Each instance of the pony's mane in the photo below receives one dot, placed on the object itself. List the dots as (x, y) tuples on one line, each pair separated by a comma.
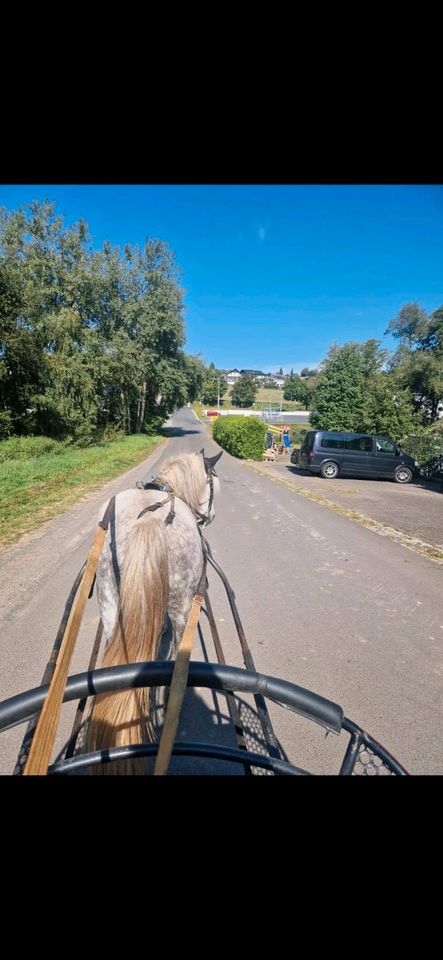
[(187, 477)]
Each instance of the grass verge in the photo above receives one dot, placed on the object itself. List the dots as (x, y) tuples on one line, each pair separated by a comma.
[(35, 489)]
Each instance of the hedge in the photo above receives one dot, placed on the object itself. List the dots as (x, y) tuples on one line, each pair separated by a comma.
[(428, 450), (243, 437), (25, 448)]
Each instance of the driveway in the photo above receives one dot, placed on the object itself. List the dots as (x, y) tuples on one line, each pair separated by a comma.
[(415, 510)]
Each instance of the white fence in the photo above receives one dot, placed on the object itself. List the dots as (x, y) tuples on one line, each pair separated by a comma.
[(293, 416)]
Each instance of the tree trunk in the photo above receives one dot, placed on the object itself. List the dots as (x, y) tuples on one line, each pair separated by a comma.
[(142, 413), (124, 410)]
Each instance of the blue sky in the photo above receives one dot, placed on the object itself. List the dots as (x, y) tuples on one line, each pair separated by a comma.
[(274, 274)]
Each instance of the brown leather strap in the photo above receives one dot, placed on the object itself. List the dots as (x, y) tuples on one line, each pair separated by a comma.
[(178, 687), (44, 736)]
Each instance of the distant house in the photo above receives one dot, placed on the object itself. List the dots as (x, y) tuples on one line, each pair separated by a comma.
[(233, 376), (252, 373), (258, 375)]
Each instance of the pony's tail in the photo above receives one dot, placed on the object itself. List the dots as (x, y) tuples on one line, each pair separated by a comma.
[(124, 718)]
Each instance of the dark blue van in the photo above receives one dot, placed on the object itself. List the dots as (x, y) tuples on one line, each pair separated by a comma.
[(330, 453)]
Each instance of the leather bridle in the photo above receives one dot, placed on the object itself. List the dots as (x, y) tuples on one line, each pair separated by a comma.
[(167, 488)]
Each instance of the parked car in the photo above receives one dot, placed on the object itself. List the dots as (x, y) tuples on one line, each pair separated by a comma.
[(330, 453)]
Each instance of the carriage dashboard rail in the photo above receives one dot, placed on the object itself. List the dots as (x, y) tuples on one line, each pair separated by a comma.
[(362, 751)]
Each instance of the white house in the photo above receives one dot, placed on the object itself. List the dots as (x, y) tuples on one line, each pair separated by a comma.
[(233, 376)]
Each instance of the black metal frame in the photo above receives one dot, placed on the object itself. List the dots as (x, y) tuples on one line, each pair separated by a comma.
[(219, 677), (362, 750)]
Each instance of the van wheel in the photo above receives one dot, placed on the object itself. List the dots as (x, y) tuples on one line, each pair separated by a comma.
[(403, 475), (329, 471)]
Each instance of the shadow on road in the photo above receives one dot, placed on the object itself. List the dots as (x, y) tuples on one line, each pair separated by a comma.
[(178, 432)]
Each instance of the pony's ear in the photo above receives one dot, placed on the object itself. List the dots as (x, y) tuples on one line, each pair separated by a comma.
[(200, 453), (211, 461)]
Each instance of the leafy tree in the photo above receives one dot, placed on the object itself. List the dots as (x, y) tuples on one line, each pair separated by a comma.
[(339, 395), (419, 360), (296, 389), (292, 387), (388, 408), (87, 338), (214, 385), (195, 373), (244, 392), (305, 395)]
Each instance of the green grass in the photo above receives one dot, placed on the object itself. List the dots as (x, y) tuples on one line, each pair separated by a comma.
[(35, 489), (263, 398)]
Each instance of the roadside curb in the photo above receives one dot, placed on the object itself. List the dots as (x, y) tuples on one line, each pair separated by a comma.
[(427, 550)]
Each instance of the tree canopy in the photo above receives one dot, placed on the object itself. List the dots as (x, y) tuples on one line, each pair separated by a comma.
[(244, 392), (88, 338)]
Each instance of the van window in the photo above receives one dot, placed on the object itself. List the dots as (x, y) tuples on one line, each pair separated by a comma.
[(383, 445), (332, 440), (360, 443), (308, 442)]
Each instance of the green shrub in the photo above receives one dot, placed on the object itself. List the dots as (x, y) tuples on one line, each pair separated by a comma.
[(6, 424), (297, 435), (243, 437), (153, 426), (25, 448), (427, 449)]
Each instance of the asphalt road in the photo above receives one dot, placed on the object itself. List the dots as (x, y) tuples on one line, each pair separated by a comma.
[(325, 603)]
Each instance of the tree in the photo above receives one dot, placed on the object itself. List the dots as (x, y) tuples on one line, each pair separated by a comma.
[(87, 338), (387, 408), (244, 392), (292, 387), (296, 389), (419, 359), (339, 395), (195, 373), (214, 385), (305, 395)]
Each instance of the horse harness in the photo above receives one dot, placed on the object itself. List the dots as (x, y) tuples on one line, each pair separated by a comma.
[(181, 666), (39, 755), (167, 488)]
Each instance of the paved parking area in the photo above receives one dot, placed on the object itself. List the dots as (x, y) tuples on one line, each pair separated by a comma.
[(415, 509)]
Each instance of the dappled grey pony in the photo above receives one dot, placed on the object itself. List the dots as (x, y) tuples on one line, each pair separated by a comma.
[(151, 566)]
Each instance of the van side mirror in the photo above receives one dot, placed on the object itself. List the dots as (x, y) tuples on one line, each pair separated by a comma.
[(398, 450)]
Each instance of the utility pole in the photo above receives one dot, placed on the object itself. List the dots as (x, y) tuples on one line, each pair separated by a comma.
[(218, 393)]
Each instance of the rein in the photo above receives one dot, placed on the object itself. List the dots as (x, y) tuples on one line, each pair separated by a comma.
[(167, 488), (181, 667), (180, 675)]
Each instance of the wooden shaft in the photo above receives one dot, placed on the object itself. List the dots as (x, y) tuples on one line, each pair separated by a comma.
[(43, 740), (178, 687)]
